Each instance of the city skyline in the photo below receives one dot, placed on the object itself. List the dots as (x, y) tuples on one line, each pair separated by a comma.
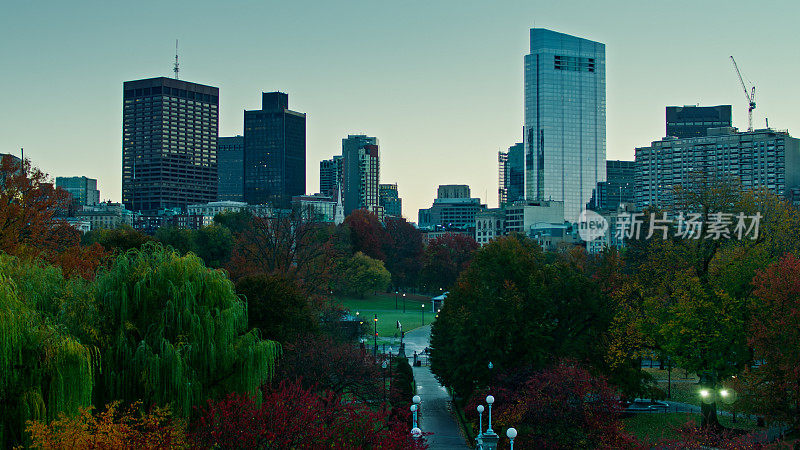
[(418, 98)]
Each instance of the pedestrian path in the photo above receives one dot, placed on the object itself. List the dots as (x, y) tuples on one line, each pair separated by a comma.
[(436, 415)]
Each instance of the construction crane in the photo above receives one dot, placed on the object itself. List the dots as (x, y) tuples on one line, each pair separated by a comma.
[(751, 97)]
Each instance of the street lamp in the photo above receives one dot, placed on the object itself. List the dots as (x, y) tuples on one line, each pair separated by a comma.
[(489, 401), (423, 314), (415, 408), (404, 302), (384, 366), (511, 433), (480, 420), (375, 347), (395, 300)]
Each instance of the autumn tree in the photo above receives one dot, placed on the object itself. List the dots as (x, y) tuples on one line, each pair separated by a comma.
[(774, 385), (403, 250), (291, 416), (30, 206), (289, 245), (173, 332), (445, 257), (560, 406), (367, 234)]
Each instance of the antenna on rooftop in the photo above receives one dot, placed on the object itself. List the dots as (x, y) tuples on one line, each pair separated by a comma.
[(176, 68)]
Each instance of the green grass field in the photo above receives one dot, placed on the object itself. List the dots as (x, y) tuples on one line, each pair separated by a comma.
[(384, 306), (652, 427)]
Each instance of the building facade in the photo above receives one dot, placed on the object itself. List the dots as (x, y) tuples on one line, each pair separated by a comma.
[(106, 216), (758, 159), (274, 152), (453, 209), (565, 119), (390, 200), (360, 173), (618, 187), (230, 169), (169, 144), (330, 175), (83, 190), (693, 121), (511, 174)]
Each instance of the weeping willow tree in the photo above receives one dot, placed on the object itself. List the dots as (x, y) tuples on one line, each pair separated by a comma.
[(44, 370), (175, 333)]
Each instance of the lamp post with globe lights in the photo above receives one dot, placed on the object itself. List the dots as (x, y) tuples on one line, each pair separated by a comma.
[(511, 433)]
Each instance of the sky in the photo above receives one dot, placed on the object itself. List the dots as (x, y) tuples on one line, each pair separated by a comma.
[(439, 82)]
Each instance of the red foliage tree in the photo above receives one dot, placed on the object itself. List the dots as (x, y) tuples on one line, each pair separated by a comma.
[(291, 416), (445, 258), (403, 250), (324, 363), (367, 234), (560, 407), (774, 335), (30, 226)]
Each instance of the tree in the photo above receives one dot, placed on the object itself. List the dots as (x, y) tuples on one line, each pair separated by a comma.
[(291, 416), (515, 310), (236, 221), (403, 250), (44, 369), (444, 259), (288, 245), (367, 233), (322, 363), (111, 428), (173, 332), (29, 209), (774, 385), (360, 274), (181, 239), (213, 243), (277, 307), (562, 406), (119, 239)]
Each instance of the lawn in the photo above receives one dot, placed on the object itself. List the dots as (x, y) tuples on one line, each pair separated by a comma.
[(652, 427), (384, 306)]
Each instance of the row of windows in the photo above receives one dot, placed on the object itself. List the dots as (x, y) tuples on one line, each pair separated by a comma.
[(180, 93)]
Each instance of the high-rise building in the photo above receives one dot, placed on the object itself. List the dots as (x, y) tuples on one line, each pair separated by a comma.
[(330, 175), (693, 121), (453, 209), (230, 169), (274, 152), (390, 200), (565, 119), (169, 143), (360, 172), (757, 159), (618, 187), (83, 190), (511, 176)]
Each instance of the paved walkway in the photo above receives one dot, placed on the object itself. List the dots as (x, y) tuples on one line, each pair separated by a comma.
[(436, 416)]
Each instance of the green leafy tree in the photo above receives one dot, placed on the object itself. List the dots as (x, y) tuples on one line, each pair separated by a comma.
[(444, 259), (516, 310), (236, 221), (44, 369), (360, 274), (181, 239), (175, 333), (120, 239), (213, 243)]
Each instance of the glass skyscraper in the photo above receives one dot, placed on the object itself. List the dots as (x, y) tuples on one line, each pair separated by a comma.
[(230, 168), (565, 119)]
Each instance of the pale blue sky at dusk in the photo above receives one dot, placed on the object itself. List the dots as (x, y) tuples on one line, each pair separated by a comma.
[(440, 83)]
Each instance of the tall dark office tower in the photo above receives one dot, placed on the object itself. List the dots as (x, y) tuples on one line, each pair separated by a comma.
[(274, 152), (230, 168), (330, 175), (565, 119), (511, 174), (390, 200), (169, 142), (360, 172), (694, 121)]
